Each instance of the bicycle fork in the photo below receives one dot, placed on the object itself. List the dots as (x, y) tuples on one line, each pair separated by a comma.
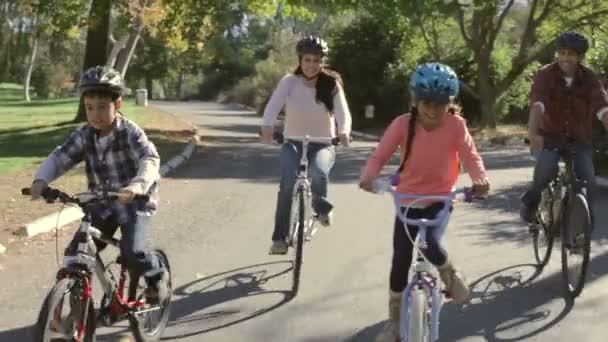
[(427, 284)]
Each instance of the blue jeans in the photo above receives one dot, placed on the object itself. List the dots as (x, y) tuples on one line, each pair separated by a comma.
[(547, 167), (321, 158), (134, 251)]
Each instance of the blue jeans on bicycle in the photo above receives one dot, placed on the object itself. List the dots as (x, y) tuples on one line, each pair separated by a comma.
[(321, 158), (134, 251), (546, 170)]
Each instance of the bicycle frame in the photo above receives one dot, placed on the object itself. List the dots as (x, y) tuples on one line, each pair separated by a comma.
[(424, 276)]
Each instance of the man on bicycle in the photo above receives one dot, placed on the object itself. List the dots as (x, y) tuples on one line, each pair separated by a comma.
[(564, 99)]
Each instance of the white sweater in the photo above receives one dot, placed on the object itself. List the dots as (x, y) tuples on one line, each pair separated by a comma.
[(304, 116)]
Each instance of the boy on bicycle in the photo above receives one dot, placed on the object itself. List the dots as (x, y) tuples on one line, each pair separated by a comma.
[(564, 98), (118, 157)]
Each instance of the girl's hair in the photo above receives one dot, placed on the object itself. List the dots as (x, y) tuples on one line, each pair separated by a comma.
[(325, 87), (453, 109)]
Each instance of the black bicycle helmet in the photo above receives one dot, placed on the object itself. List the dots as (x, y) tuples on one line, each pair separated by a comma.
[(101, 78), (573, 41), (312, 45)]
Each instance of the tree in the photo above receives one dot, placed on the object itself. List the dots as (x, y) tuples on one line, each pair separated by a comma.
[(98, 36)]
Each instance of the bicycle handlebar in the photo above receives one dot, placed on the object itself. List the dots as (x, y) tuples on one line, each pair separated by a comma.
[(52, 195)]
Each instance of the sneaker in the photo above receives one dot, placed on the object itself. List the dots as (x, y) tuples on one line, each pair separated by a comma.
[(326, 219), (278, 248), (158, 290), (455, 284), (527, 213)]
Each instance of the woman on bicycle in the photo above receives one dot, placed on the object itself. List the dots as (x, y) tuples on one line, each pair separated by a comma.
[(432, 137), (314, 102)]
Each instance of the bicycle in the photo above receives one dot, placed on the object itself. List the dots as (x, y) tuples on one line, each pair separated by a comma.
[(303, 220), (564, 213), (422, 298), (73, 288)]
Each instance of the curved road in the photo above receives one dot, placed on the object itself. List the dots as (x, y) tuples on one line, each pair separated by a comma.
[(215, 222)]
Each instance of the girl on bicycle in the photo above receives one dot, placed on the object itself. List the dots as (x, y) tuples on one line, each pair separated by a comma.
[(314, 105), (433, 138)]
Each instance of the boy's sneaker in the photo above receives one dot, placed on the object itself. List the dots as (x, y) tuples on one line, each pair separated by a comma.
[(278, 248), (158, 290), (326, 219)]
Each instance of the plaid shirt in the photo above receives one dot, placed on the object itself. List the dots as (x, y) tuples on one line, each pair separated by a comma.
[(128, 159)]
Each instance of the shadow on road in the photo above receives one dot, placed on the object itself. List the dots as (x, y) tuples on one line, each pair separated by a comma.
[(193, 312)]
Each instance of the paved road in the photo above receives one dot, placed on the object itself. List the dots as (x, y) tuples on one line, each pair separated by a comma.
[(215, 222)]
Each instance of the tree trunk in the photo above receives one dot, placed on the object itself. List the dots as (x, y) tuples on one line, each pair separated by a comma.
[(98, 36), (122, 61), (149, 86), (30, 68), (180, 83), (116, 48)]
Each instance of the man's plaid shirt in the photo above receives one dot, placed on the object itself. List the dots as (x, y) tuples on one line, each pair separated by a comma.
[(127, 158)]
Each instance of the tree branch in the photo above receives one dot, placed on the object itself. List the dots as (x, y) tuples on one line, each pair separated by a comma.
[(463, 30), (424, 34), (501, 19)]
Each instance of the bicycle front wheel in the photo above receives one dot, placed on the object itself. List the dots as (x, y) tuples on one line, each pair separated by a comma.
[(298, 232), (62, 316), (418, 323), (576, 245), (149, 324), (542, 236)]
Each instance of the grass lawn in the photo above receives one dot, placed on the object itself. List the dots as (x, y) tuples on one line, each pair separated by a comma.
[(30, 131)]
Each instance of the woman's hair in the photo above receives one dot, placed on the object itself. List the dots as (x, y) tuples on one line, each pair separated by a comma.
[(325, 87), (453, 109)]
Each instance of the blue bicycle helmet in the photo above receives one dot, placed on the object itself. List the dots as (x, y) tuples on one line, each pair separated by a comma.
[(434, 82), (573, 41)]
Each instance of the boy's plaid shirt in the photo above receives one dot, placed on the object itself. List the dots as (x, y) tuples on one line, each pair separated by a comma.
[(117, 166)]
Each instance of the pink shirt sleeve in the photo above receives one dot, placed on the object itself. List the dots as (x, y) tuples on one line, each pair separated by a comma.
[(392, 138), (467, 151)]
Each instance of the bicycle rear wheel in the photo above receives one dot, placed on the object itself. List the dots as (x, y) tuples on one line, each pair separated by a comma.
[(148, 324), (418, 322), (576, 245), (62, 314), (541, 232), (298, 237)]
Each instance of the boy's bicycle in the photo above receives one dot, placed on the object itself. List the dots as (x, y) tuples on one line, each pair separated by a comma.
[(303, 220), (68, 312), (422, 299), (564, 213)]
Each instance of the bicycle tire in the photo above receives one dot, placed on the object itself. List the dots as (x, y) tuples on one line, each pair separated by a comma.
[(136, 328), (543, 233), (417, 323), (54, 297), (299, 247), (578, 211)]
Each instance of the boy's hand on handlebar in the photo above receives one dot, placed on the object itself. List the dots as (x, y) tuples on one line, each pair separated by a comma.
[(38, 186), (126, 195)]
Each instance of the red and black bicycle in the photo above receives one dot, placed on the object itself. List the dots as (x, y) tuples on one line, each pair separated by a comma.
[(68, 312)]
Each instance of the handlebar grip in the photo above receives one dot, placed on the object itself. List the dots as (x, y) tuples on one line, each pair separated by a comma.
[(526, 141), (26, 192)]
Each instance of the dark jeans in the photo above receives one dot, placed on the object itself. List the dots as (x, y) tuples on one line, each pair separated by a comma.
[(321, 158), (134, 250), (403, 248), (547, 167)]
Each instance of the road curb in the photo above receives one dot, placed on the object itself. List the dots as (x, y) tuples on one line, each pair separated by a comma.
[(62, 218)]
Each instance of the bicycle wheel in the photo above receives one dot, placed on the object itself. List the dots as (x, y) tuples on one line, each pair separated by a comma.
[(541, 234), (62, 314), (576, 245), (149, 324), (418, 323), (298, 225)]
